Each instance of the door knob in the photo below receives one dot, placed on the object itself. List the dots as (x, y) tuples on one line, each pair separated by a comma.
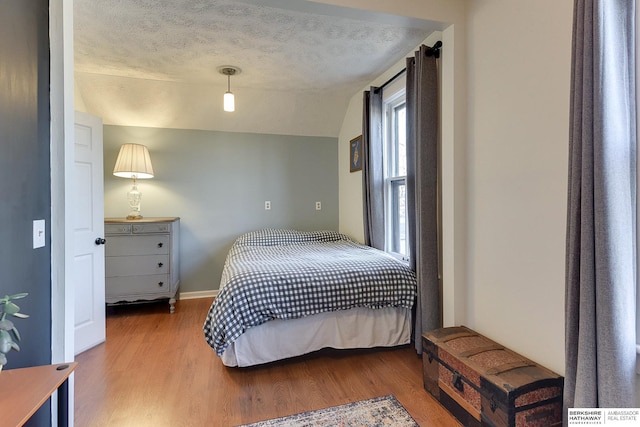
[(100, 241)]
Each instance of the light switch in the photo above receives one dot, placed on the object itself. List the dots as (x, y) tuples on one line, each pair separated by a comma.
[(38, 233)]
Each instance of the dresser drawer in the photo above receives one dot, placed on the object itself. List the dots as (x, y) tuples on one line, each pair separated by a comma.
[(152, 285), (137, 245), (117, 229), (161, 227), (136, 265)]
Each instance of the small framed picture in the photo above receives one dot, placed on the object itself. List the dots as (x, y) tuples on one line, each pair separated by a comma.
[(355, 154)]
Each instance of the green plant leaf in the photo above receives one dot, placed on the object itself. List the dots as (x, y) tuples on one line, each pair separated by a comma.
[(11, 308), (16, 333), (9, 335), (6, 325), (5, 342)]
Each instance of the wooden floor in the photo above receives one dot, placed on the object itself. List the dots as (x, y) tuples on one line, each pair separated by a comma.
[(156, 369)]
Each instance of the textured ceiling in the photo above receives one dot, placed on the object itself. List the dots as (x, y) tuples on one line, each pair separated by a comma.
[(292, 46)]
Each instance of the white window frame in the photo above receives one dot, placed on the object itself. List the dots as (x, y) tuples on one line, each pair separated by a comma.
[(394, 95)]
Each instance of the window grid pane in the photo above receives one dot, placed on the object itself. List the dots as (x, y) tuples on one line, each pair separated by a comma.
[(401, 138), (399, 242), (396, 170)]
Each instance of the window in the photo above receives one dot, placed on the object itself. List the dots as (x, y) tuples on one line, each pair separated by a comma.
[(395, 173)]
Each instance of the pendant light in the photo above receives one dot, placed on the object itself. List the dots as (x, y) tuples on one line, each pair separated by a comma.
[(229, 99)]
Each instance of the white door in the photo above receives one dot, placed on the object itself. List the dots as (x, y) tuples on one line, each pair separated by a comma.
[(88, 233)]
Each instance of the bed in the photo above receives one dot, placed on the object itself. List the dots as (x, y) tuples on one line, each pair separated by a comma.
[(285, 293)]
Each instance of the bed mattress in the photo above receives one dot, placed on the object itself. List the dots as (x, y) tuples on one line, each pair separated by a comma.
[(346, 329), (291, 275)]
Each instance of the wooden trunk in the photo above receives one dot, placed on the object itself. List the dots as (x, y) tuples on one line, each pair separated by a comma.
[(483, 383)]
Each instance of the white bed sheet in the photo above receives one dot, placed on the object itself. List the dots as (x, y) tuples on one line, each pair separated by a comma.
[(355, 328)]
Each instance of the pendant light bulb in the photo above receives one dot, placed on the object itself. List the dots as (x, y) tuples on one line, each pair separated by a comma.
[(229, 98), (229, 102)]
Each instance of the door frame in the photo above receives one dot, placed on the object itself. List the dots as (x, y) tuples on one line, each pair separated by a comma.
[(62, 134)]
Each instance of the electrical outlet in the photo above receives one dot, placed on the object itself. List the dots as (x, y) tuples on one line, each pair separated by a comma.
[(318, 206), (267, 205)]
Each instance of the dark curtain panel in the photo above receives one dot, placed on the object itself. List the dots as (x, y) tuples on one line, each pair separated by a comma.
[(601, 252), (422, 184), (372, 169)]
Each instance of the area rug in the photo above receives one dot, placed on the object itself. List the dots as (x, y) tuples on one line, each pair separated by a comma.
[(379, 411)]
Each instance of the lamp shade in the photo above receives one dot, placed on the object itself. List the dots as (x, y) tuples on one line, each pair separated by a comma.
[(133, 162)]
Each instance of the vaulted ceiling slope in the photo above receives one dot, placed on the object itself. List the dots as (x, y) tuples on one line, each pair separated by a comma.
[(155, 62)]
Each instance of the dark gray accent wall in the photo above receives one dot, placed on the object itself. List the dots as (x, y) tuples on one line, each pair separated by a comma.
[(25, 183), (217, 183)]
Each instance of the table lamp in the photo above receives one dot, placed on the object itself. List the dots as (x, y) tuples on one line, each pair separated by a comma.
[(134, 162)]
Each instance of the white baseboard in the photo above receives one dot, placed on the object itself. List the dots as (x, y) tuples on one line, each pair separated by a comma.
[(199, 294)]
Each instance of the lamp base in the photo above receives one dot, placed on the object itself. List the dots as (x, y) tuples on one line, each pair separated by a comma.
[(134, 197)]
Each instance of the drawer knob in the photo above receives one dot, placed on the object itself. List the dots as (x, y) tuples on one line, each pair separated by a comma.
[(160, 245), (160, 264), (161, 284), (100, 241)]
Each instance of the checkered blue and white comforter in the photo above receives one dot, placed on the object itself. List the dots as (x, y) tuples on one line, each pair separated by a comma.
[(287, 274)]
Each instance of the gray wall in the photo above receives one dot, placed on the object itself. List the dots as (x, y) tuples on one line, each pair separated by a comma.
[(25, 177), (217, 183)]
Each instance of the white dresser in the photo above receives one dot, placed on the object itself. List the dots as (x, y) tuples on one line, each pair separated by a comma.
[(142, 259)]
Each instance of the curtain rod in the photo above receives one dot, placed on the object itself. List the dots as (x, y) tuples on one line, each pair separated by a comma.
[(432, 51)]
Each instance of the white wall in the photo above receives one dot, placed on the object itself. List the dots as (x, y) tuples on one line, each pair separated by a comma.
[(519, 71)]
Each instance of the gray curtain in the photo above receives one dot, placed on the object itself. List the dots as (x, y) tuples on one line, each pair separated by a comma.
[(372, 169), (600, 283), (422, 184)]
